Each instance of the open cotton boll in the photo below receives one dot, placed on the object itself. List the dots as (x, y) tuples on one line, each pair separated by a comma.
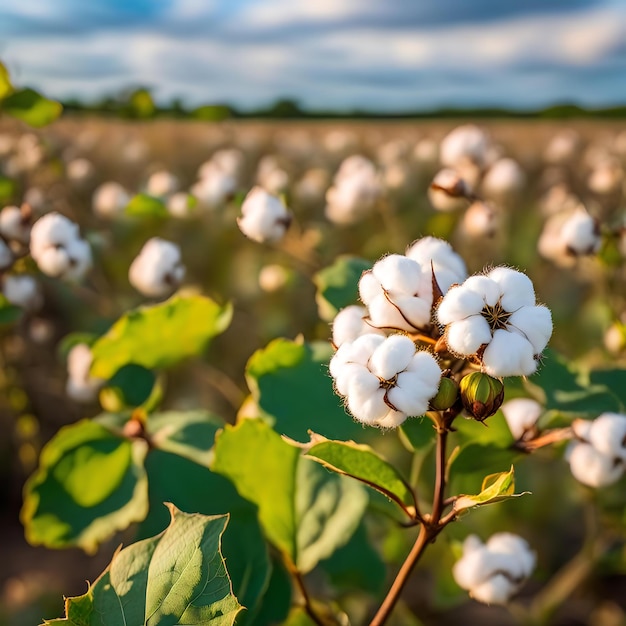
[(264, 218), (80, 170), (521, 415), (110, 199), (161, 184), (608, 434), (157, 270), (384, 380), (22, 290), (15, 224), (80, 386), (448, 191), (591, 467), (580, 234), (57, 248), (495, 571), (504, 178), (440, 253), (464, 142), (350, 323)]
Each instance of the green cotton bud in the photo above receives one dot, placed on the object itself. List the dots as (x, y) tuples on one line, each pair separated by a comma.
[(481, 395), (446, 396)]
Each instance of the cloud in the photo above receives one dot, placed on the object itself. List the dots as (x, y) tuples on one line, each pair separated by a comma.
[(329, 53)]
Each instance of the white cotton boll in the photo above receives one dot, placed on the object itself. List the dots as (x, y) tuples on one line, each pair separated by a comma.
[(480, 220), (516, 288), (265, 218), (81, 387), (398, 273), (582, 429), (344, 372), (466, 336), (415, 310), (509, 354), (591, 467), (607, 435), (53, 261), (448, 191), (229, 160), (22, 290), (14, 225), (157, 270), (214, 190), (392, 356), (563, 147), (161, 184), (521, 415), (369, 287), (497, 590), (110, 199), (366, 399), (180, 204), (412, 393), (79, 260), (440, 253), (508, 544), (504, 178), (464, 142), (535, 324), (458, 304), (580, 233), (489, 290), (426, 365), (276, 181), (53, 229), (607, 177), (80, 170), (350, 323), (392, 419)]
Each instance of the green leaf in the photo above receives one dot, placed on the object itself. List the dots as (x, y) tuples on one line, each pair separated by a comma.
[(338, 284), (90, 483), (143, 205), (159, 336), (567, 389), (178, 577), (493, 431), (365, 465), (613, 380), (9, 313), (417, 433), (304, 510), (8, 189), (276, 602), (5, 82), (31, 107), (178, 473), (131, 384), (290, 383), (495, 488), (357, 565)]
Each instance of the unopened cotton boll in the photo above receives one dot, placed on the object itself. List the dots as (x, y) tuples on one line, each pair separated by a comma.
[(495, 571), (22, 290), (497, 315), (110, 199), (264, 218), (521, 416), (81, 387), (161, 184), (448, 191), (157, 271), (384, 380), (467, 142), (57, 248), (15, 224)]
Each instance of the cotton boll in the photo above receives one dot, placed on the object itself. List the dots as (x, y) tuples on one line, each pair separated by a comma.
[(440, 253), (535, 324), (480, 220), (22, 290), (563, 147), (516, 288), (580, 233), (448, 191), (459, 304), (81, 387), (80, 171), (161, 184), (6, 256), (521, 415), (392, 356), (468, 335), (509, 354), (592, 468), (110, 199), (15, 224), (464, 142), (503, 179), (350, 323), (157, 270), (607, 435), (265, 218)]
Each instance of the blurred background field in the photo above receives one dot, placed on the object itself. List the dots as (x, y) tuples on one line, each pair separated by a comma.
[(272, 287)]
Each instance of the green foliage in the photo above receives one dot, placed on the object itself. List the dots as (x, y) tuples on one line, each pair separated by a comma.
[(337, 285), (6, 87), (306, 512), (290, 383), (177, 577), (9, 313), (8, 189), (143, 205), (365, 465), (31, 107), (141, 105), (90, 483), (212, 113), (161, 335)]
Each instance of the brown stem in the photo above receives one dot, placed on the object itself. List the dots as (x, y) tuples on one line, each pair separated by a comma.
[(306, 598), (431, 527)]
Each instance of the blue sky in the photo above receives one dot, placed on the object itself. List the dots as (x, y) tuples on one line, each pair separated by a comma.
[(373, 54)]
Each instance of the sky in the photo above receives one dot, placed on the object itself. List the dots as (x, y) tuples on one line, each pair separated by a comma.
[(384, 55)]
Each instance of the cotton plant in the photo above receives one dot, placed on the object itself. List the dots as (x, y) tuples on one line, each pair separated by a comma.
[(110, 199), (81, 386)]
